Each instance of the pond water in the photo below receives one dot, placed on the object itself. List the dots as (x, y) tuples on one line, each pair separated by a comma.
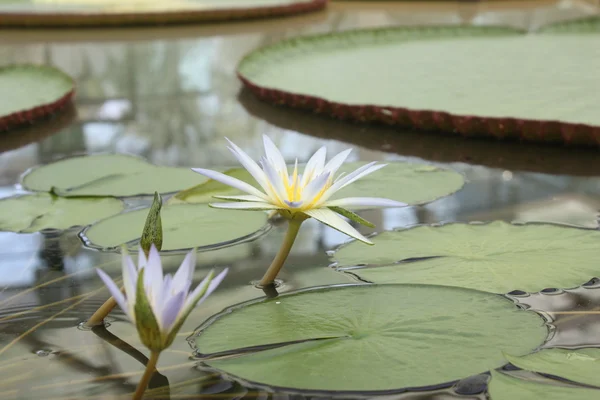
[(171, 96)]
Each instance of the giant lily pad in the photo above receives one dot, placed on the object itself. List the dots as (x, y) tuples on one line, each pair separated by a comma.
[(496, 257), (108, 175), (582, 365), (488, 81), (184, 226), (115, 12), (368, 337), (413, 183), (506, 387), (32, 213), (31, 92)]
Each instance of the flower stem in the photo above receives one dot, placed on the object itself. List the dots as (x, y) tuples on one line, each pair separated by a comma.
[(150, 369), (101, 313), (284, 251)]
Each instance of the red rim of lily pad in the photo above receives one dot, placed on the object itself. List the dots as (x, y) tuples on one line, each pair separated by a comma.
[(529, 130), (63, 19), (43, 109)]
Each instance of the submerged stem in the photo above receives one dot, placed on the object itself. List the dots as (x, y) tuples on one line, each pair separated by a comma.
[(284, 251), (150, 369)]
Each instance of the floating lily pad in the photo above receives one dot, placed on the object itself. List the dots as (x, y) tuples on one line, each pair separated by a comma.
[(108, 175), (184, 226), (486, 81), (33, 213), (413, 183), (31, 92), (506, 387), (368, 337), (114, 12), (496, 257), (580, 25), (582, 365)]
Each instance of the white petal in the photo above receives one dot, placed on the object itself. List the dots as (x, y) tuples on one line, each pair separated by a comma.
[(231, 181), (183, 276), (244, 197), (116, 293), (250, 165), (272, 153), (314, 187), (333, 220), (336, 162), (314, 166), (365, 202), (246, 205), (359, 173), (275, 180), (348, 179)]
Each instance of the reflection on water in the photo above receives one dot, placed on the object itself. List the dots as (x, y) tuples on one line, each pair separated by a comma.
[(171, 96)]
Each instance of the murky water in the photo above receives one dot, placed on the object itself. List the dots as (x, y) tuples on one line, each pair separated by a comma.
[(171, 96)]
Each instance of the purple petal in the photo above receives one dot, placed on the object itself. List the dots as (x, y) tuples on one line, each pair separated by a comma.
[(171, 311), (115, 292), (130, 276), (183, 277), (153, 279)]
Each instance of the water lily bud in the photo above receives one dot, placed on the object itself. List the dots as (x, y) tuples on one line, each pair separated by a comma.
[(152, 233)]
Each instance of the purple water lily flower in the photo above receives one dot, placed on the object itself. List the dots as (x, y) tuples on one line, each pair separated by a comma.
[(158, 304)]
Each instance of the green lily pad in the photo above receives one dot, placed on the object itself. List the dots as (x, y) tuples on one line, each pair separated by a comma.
[(496, 257), (580, 25), (368, 337), (413, 183), (506, 387), (31, 92), (108, 175), (184, 226), (35, 212), (582, 365)]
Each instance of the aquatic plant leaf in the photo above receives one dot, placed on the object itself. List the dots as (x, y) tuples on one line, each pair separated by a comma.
[(496, 257), (506, 387), (184, 226), (453, 95), (108, 175), (412, 183), (32, 92), (368, 337), (35, 212), (581, 365)]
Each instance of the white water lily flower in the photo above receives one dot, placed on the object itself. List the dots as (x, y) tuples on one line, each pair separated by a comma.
[(158, 304), (299, 195)]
